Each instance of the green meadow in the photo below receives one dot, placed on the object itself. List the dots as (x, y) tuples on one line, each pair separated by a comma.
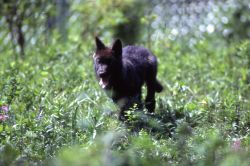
[(53, 111)]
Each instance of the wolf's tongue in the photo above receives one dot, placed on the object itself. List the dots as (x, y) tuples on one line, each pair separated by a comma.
[(103, 82)]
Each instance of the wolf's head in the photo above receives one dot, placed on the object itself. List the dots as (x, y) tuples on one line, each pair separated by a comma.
[(107, 61)]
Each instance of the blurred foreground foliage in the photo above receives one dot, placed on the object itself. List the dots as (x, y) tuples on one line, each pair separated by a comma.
[(52, 111)]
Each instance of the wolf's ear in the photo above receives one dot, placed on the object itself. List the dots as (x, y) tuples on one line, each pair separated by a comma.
[(117, 47), (99, 44)]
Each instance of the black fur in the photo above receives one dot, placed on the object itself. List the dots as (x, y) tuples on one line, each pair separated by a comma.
[(123, 71)]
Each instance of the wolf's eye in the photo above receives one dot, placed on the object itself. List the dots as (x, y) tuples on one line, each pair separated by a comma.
[(97, 60), (108, 61)]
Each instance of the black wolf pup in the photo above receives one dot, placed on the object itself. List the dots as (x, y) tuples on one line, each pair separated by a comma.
[(121, 72)]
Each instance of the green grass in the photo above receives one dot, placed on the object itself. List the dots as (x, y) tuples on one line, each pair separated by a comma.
[(58, 114)]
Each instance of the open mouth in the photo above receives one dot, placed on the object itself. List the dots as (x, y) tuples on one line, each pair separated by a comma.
[(104, 82)]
